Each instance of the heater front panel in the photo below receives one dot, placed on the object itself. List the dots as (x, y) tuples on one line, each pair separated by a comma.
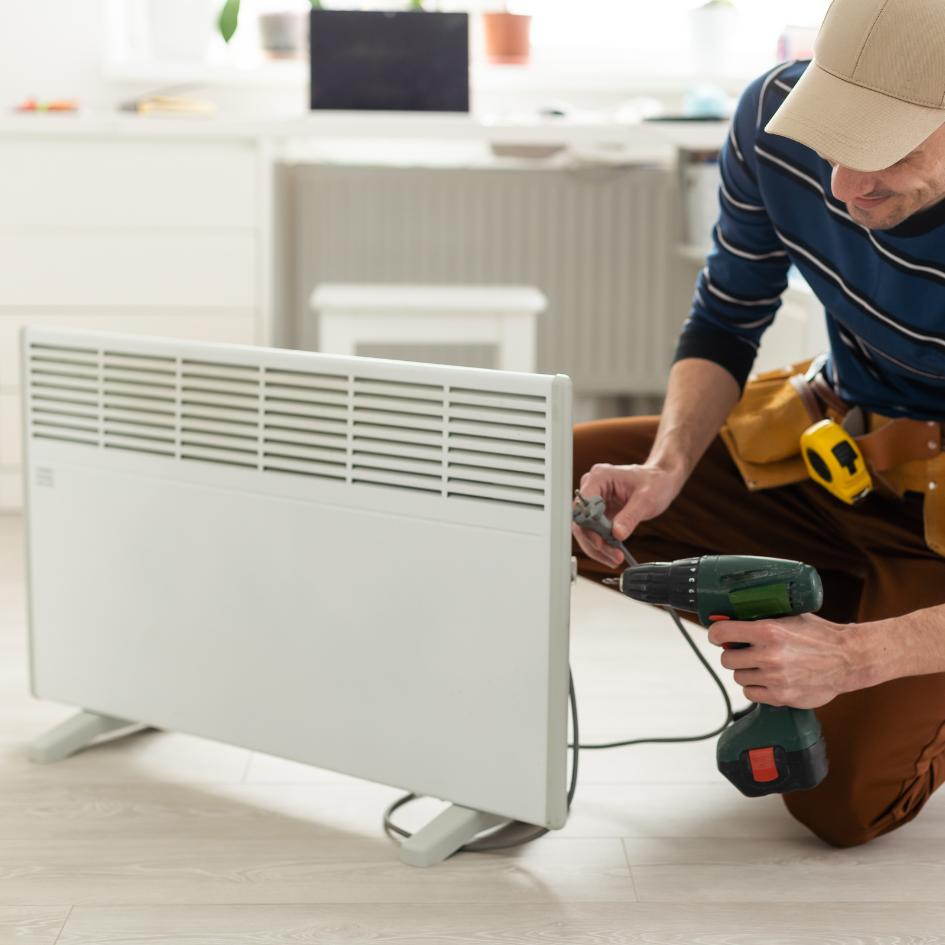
[(400, 631)]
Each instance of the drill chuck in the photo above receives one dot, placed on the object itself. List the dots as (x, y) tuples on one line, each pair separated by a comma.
[(667, 583)]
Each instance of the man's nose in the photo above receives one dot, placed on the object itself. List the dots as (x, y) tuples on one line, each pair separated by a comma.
[(848, 184)]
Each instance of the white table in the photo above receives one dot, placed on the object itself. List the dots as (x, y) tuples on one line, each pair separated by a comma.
[(503, 316)]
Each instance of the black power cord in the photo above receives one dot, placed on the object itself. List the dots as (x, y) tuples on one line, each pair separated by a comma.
[(509, 835), (730, 714), (589, 514)]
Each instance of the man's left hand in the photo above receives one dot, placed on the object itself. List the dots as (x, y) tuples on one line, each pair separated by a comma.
[(802, 661)]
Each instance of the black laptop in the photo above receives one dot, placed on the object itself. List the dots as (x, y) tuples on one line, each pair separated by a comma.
[(408, 61)]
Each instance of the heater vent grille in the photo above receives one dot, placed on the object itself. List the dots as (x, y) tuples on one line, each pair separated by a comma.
[(139, 403), (305, 424), (64, 389), (219, 413), (496, 446), (455, 442), (397, 434)]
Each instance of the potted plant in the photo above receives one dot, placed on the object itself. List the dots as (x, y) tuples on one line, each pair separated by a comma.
[(229, 16), (507, 36), (282, 32)]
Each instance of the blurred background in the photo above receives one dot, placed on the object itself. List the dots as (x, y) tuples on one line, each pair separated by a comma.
[(201, 169)]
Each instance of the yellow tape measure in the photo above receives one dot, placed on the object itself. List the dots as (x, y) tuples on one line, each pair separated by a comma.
[(834, 460)]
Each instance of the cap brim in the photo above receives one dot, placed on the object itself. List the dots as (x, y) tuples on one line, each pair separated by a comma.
[(856, 127)]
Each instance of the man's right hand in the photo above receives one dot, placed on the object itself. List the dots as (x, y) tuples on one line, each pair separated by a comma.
[(699, 396), (632, 494)]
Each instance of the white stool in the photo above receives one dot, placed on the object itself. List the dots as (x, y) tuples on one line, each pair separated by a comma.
[(504, 316)]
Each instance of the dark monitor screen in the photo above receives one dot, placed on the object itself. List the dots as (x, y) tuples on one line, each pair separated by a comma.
[(409, 61)]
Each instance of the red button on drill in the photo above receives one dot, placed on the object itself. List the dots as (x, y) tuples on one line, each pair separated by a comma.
[(763, 766)]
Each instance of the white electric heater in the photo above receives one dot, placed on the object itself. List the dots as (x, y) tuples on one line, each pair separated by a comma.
[(358, 564)]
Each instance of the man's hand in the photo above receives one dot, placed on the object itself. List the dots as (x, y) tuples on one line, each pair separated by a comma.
[(632, 494), (802, 661), (699, 396)]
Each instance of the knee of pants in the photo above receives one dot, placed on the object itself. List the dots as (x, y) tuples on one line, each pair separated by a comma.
[(838, 828), (848, 812)]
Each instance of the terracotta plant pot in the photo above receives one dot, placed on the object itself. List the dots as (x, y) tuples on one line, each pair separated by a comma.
[(507, 37)]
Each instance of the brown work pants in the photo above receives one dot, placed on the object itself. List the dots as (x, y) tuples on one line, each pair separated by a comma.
[(886, 744)]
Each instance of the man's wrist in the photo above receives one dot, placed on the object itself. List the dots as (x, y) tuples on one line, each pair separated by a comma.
[(867, 655), (671, 463)]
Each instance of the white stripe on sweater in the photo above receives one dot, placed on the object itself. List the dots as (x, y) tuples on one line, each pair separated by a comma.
[(764, 88), (837, 211), (748, 303), (735, 147), (753, 208), (863, 303), (774, 254)]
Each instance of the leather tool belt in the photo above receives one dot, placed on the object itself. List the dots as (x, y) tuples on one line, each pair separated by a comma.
[(763, 434)]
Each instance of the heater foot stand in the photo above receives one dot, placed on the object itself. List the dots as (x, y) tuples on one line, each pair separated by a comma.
[(445, 834), (72, 735)]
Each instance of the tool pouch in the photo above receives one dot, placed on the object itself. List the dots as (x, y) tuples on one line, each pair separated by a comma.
[(934, 506), (923, 474), (763, 431)]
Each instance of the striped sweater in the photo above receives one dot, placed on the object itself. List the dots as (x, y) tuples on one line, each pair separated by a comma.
[(883, 291)]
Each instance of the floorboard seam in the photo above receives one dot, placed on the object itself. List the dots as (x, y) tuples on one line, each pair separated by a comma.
[(249, 764), (633, 882), (65, 922)]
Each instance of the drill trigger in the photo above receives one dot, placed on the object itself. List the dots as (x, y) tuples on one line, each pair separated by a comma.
[(727, 646)]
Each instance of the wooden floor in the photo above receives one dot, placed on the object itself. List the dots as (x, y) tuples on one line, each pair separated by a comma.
[(167, 838)]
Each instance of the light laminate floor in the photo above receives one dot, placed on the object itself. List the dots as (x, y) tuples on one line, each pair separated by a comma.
[(166, 838)]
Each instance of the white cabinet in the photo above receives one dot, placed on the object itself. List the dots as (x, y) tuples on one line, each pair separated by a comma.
[(153, 235), (109, 181)]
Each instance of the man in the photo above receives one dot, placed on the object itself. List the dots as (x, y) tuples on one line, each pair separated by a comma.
[(839, 168)]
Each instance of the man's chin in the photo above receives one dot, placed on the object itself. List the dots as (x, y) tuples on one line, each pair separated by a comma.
[(877, 218)]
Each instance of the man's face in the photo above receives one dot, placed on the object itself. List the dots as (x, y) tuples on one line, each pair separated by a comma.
[(882, 199)]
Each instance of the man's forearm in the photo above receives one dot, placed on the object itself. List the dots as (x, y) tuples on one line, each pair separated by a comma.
[(699, 397), (910, 645)]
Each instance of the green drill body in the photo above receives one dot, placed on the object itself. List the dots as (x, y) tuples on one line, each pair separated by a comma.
[(772, 749)]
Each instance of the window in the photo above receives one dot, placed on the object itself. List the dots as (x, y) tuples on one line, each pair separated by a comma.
[(656, 36)]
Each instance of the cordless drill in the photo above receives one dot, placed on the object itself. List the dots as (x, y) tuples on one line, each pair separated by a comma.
[(771, 749)]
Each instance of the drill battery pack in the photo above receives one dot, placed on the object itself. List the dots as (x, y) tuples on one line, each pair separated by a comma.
[(774, 751)]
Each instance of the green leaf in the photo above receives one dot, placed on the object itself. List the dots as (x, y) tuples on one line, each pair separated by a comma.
[(229, 17)]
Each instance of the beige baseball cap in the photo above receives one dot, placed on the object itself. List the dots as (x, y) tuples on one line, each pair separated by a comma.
[(876, 88)]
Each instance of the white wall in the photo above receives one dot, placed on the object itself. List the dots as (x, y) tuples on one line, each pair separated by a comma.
[(58, 49), (51, 49)]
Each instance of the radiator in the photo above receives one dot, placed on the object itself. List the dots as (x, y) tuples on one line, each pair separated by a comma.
[(357, 564), (597, 241)]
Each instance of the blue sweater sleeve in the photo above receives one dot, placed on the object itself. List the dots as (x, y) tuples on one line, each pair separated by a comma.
[(739, 291)]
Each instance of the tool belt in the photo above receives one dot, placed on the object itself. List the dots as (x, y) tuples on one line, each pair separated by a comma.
[(763, 435)]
